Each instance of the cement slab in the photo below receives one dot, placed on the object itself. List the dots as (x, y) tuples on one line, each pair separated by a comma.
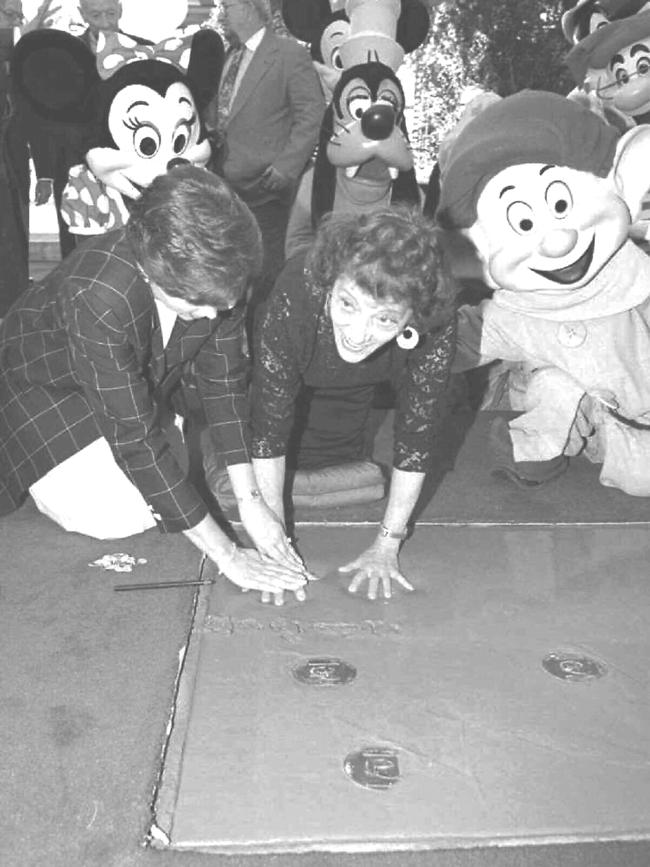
[(504, 702)]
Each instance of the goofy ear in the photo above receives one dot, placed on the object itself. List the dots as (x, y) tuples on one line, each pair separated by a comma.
[(207, 56), (306, 19), (412, 25), (405, 187), (631, 169), (56, 74), (324, 177)]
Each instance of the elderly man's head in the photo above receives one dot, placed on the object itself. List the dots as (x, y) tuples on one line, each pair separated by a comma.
[(242, 18), (11, 13), (101, 14)]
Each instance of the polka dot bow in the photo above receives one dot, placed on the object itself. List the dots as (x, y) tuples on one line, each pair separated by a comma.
[(114, 50)]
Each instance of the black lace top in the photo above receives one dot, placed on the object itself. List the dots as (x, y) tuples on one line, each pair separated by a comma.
[(294, 345)]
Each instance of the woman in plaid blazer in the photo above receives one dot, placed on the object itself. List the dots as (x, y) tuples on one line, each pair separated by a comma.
[(85, 355)]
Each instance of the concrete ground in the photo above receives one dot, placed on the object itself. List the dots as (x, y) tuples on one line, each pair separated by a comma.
[(88, 682)]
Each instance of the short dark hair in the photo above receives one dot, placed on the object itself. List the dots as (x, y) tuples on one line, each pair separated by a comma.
[(195, 238), (394, 253)]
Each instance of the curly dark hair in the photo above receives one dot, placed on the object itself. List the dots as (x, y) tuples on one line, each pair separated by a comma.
[(394, 253), (195, 238)]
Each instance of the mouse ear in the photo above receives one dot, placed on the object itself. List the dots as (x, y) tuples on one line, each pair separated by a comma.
[(207, 56), (56, 74), (412, 25), (306, 19)]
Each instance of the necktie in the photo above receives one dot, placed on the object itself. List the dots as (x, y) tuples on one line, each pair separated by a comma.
[(227, 86)]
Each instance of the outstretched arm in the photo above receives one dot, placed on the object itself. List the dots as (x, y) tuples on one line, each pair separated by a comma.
[(379, 563)]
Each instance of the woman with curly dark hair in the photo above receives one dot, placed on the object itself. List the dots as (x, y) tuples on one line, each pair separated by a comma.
[(371, 302)]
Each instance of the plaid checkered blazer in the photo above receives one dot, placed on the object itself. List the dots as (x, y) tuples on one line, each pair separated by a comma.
[(81, 356)]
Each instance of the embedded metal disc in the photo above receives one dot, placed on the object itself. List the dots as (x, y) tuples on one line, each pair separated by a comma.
[(573, 667), (325, 671), (373, 767)]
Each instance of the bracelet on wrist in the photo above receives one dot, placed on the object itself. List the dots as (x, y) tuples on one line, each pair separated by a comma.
[(252, 496), (385, 533)]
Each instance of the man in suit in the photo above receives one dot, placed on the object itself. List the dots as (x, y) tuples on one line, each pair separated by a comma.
[(90, 358), (267, 124)]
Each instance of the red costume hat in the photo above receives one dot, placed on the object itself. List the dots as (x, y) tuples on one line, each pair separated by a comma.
[(596, 51), (529, 127)]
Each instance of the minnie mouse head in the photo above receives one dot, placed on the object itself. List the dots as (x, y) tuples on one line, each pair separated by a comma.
[(149, 107), (142, 106)]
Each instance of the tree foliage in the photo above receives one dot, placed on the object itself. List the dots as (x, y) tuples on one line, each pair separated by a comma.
[(499, 45)]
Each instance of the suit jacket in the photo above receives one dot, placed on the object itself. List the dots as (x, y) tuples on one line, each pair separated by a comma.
[(81, 356), (275, 117)]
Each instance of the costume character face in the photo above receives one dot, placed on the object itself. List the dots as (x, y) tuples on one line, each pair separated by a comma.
[(367, 139), (542, 227), (151, 121), (148, 110), (626, 81), (362, 323), (614, 61)]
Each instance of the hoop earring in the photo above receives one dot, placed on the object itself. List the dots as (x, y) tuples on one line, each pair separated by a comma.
[(408, 339)]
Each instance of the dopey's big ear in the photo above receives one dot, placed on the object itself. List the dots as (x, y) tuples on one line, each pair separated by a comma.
[(631, 169), (477, 235)]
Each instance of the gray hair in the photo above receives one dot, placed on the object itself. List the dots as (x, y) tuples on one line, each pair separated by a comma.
[(263, 8)]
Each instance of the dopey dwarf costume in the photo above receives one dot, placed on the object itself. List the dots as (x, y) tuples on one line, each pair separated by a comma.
[(547, 191)]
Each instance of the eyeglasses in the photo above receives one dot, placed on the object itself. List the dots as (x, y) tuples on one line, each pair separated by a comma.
[(623, 78)]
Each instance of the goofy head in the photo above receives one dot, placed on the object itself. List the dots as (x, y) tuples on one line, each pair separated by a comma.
[(546, 191), (363, 140)]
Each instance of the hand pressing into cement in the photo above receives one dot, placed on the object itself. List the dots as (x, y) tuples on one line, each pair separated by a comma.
[(277, 598), (246, 568), (379, 564), (268, 534)]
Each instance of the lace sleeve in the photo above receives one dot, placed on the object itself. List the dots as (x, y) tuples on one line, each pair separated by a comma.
[(419, 413), (276, 365)]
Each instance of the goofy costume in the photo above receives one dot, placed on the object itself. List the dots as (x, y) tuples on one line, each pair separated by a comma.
[(364, 160)]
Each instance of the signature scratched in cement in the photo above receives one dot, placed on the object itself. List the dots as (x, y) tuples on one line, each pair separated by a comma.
[(291, 630)]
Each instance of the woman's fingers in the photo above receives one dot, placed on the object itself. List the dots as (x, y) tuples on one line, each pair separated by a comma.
[(402, 580), (278, 598), (375, 579)]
